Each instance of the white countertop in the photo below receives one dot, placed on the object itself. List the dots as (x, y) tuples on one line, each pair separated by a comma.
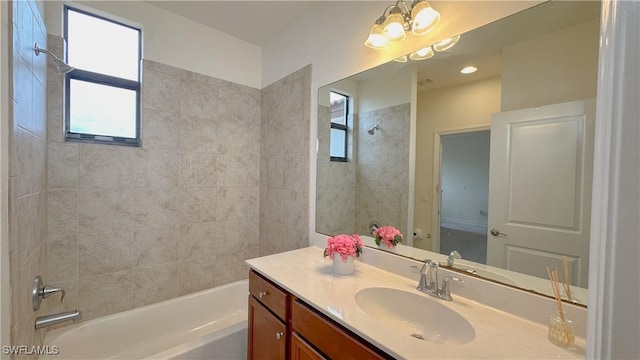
[(307, 275)]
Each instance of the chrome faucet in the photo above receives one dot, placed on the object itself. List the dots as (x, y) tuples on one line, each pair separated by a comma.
[(50, 320), (428, 283), (452, 257)]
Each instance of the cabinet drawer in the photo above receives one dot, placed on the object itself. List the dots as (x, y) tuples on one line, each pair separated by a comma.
[(331, 340), (269, 294)]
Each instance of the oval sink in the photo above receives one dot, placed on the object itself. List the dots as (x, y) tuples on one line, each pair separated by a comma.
[(415, 315)]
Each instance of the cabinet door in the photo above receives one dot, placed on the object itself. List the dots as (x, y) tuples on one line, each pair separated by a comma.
[(300, 350), (267, 334)]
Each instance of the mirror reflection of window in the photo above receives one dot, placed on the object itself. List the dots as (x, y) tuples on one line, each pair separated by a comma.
[(339, 126)]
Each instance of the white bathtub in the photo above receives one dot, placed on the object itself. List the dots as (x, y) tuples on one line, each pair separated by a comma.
[(211, 324)]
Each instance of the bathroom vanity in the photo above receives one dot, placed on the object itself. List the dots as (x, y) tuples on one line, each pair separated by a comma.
[(299, 309)]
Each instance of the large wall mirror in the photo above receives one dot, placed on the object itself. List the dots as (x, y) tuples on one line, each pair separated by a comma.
[(495, 164)]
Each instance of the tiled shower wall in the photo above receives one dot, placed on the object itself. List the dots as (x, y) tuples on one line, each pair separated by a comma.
[(284, 161), (131, 226), (27, 190), (336, 181), (382, 174)]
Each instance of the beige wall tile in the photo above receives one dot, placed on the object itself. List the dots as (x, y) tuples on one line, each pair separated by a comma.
[(197, 239), (198, 134), (196, 192), (161, 130), (235, 169), (161, 91), (238, 203), (27, 189), (197, 97), (105, 252), (196, 274), (154, 246), (62, 165), (62, 258), (235, 236), (275, 172), (28, 162), (156, 168), (62, 213), (105, 166), (157, 207), (198, 170), (102, 210), (231, 267), (198, 205), (154, 284), (105, 294)]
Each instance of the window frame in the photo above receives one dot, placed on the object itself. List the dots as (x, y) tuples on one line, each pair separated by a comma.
[(101, 79), (342, 127)]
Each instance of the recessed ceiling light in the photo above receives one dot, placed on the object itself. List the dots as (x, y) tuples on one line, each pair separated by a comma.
[(469, 70)]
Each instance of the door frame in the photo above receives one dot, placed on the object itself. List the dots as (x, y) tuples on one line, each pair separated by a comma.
[(437, 172)]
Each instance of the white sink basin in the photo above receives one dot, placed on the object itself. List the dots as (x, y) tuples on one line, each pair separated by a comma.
[(415, 315)]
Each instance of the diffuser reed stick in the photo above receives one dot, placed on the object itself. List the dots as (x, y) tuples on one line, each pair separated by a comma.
[(567, 278), (553, 276)]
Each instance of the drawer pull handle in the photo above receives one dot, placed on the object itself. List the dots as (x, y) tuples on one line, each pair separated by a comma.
[(279, 335), (262, 294)]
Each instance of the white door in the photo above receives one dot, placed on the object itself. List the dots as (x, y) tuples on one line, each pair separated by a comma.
[(540, 189)]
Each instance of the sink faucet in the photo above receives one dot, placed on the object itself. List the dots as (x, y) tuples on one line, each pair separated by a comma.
[(452, 257), (428, 283)]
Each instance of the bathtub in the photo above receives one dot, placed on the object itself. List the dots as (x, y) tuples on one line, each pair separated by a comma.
[(211, 324)]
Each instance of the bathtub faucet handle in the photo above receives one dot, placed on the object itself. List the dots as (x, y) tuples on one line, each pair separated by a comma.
[(48, 291)]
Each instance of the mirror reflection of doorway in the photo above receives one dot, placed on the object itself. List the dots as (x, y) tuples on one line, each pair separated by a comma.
[(464, 194)]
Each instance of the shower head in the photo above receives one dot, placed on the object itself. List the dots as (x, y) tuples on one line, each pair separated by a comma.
[(61, 66), (373, 129)]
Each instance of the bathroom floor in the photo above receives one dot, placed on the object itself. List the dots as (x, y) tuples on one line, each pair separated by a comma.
[(472, 246)]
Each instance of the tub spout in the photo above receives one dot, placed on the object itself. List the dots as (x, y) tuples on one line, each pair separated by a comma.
[(49, 320)]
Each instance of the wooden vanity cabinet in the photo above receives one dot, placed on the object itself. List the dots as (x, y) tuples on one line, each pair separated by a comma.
[(283, 327)]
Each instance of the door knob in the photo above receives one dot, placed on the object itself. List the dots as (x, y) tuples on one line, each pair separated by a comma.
[(279, 335), (496, 232)]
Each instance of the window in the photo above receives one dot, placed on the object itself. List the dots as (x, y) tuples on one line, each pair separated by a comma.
[(103, 90), (339, 126)]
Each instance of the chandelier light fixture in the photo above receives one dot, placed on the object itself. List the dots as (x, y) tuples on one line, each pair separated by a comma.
[(398, 19)]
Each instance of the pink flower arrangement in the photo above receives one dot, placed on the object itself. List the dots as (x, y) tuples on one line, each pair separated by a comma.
[(388, 235), (345, 245)]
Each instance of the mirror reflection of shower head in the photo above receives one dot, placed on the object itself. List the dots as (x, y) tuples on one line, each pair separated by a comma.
[(373, 129), (61, 66)]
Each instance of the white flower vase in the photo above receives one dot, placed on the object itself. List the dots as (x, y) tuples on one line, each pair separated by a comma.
[(341, 267)]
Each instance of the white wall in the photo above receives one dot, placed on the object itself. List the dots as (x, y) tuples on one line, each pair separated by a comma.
[(386, 90), (550, 69), (174, 40)]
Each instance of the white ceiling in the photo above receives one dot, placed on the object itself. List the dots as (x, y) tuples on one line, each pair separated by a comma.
[(256, 22)]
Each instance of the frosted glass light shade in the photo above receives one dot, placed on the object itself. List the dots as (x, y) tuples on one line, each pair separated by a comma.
[(401, 59), (446, 44), (425, 18), (376, 39), (422, 54), (394, 28)]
